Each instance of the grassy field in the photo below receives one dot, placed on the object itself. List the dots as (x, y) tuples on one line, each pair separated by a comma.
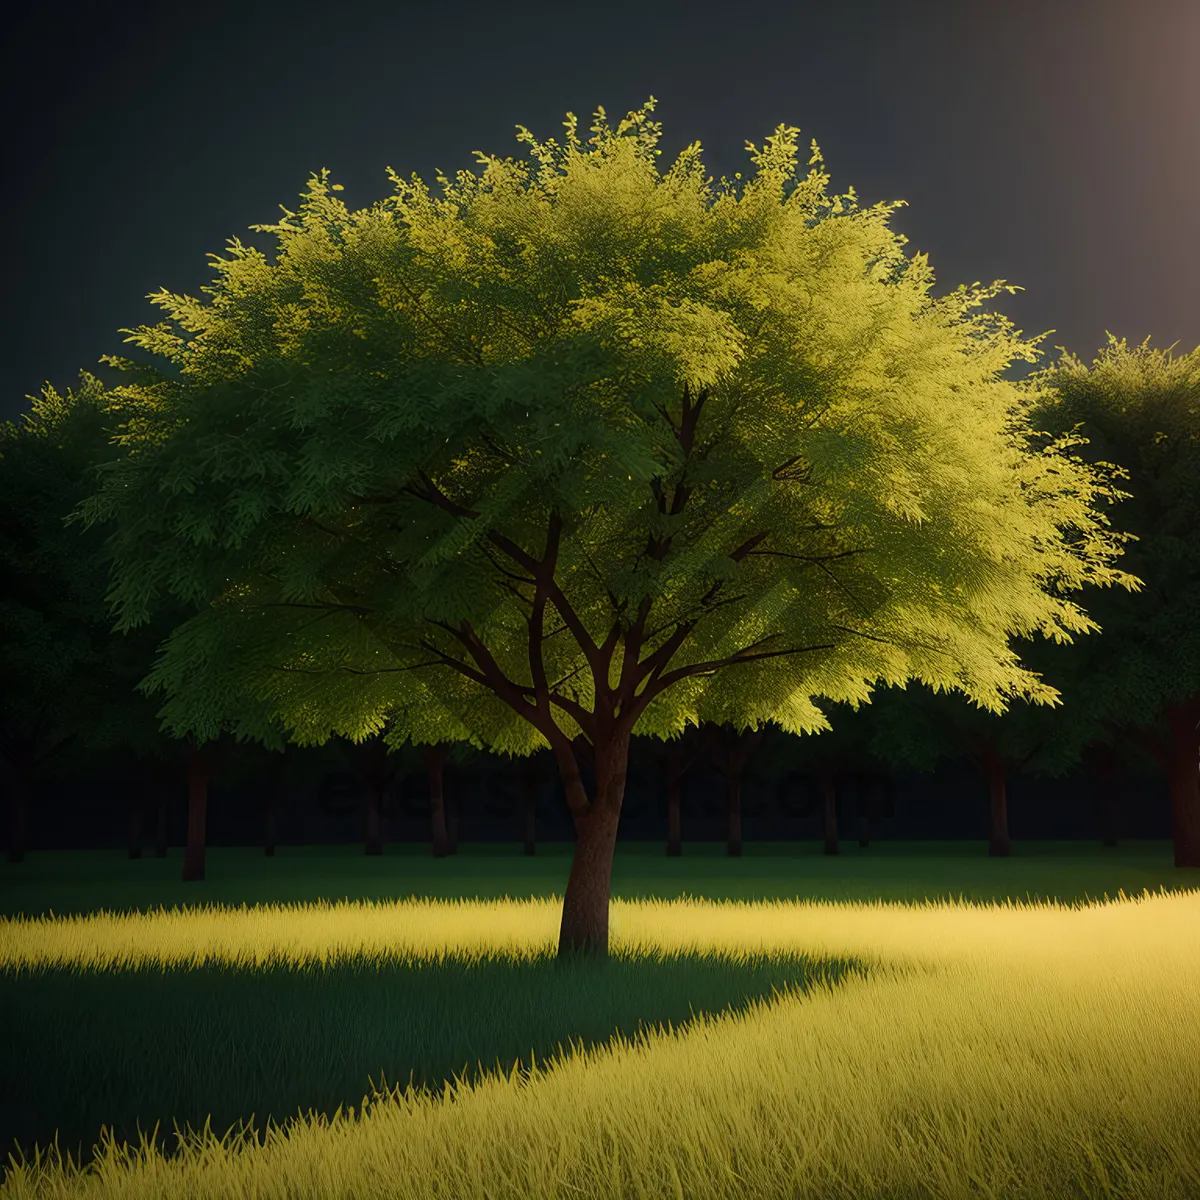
[(908, 1019)]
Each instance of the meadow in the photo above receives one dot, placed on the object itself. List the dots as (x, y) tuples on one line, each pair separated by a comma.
[(904, 1020)]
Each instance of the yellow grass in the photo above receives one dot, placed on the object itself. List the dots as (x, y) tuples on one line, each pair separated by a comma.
[(993, 1052)]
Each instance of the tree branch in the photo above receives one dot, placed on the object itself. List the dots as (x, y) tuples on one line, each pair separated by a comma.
[(811, 558), (659, 684)]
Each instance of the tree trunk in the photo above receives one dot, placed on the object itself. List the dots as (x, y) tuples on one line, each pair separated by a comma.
[(997, 779), (674, 787), (374, 839), (584, 927), (136, 799), (199, 772), (375, 776), (529, 785), (1185, 781), (862, 797), (20, 795), (155, 796), (453, 810), (731, 751), (1102, 760), (734, 794), (272, 802), (827, 782), (435, 761)]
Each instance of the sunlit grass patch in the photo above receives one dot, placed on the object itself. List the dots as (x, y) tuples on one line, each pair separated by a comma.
[(1000, 1050)]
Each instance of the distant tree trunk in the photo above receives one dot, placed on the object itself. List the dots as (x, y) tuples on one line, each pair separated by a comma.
[(996, 770), (827, 783), (734, 794), (135, 797), (529, 787), (199, 773), (862, 796), (453, 810), (272, 802), (731, 751), (1102, 760), (1185, 781), (375, 774), (675, 770), (435, 761), (20, 764), (153, 787)]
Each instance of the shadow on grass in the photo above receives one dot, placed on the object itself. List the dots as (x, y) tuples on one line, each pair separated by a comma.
[(176, 1045)]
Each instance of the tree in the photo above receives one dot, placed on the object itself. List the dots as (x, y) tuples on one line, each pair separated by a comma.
[(837, 754), (918, 728), (45, 628), (67, 685), (560, 459), (1141, 409), (66, 682), (679, 755)]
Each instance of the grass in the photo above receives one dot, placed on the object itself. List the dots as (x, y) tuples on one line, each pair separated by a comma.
[(785, 1024)]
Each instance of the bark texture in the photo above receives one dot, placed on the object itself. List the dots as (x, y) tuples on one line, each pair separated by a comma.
[(584, 928)]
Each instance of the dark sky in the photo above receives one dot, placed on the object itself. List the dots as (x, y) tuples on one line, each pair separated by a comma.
[(1050, 143)]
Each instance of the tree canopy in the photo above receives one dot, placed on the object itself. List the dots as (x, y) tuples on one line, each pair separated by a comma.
[(1142, 408), (633, 402), (588, 451), (64, 679)]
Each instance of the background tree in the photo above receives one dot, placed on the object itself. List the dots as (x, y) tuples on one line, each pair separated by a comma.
[(729, 751), (1141, 409), (47, 618), (560, 459), (67, 682), (678, 756), (834, 759)]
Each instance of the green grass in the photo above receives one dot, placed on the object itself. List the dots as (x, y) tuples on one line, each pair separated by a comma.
[(168, 1043), (69, 881)]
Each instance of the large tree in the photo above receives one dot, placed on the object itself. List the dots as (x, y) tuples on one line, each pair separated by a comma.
[(1140, 408), (576, 454)]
